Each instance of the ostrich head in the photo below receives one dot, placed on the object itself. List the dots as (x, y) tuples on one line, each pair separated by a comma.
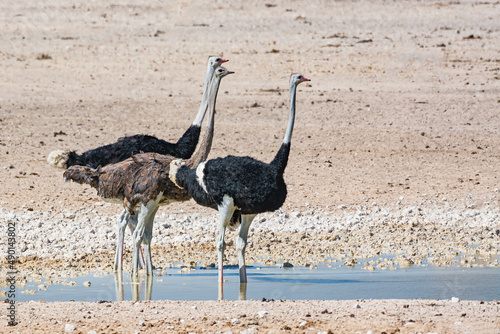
[(297, 78), (216, 61), (221, 72)]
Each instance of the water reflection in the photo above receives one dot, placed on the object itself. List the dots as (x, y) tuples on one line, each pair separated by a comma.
[(137, 284), (243, 291), (143, 285), (479, 283)]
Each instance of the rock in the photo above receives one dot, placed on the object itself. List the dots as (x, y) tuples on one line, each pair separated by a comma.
[(249, 330), (262, 314), (69, 328), (455, 300), (350, 262)]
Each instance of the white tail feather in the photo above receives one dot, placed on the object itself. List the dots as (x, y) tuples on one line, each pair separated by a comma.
[(58, 159)]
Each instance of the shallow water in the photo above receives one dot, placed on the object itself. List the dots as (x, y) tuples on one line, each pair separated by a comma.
[(272, 282)]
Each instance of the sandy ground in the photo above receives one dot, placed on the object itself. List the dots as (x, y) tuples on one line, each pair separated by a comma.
[(401, 117)]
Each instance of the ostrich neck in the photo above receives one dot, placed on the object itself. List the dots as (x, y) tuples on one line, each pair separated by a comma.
[(203, 150), (204, 99), (281, 158), (291, 120)]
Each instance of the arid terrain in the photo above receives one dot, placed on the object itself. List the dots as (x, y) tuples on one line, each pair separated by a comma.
[(395, 149)]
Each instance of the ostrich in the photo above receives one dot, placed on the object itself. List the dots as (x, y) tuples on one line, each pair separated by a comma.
[(239, 184), (141, 184), (125, 147)]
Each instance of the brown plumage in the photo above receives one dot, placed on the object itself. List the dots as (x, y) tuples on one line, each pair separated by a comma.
[(142, 182), (149, 172)]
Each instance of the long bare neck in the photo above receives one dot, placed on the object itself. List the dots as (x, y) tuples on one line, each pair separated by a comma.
[(204, 99), (291, 119), (203, 150), (281, 158)]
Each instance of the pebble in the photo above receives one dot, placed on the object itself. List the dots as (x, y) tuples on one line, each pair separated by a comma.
[(69, 328), (262, 314), (455, 300), (367, 231)]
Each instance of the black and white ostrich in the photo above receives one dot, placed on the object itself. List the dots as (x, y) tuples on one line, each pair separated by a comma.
[(126, 147), (141, 183), (239, 184)]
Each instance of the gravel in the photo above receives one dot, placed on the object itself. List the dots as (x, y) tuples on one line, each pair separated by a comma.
[(372, 237)]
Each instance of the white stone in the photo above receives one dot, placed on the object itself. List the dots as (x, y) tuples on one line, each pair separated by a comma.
[(69, 328), (262, 314)]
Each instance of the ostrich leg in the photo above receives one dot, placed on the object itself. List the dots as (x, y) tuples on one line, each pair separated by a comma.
[(146, 242), (226, 210), (125, 220), (132, 223), (241, 245), (145, 214), (122, 223)]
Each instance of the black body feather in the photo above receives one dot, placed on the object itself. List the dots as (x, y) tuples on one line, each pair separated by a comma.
[(281, 158), (186, 178), (255, 186), (126, 147)]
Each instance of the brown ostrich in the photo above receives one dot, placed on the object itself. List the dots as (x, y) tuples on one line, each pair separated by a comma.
[(142, 184), (239, 184)]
